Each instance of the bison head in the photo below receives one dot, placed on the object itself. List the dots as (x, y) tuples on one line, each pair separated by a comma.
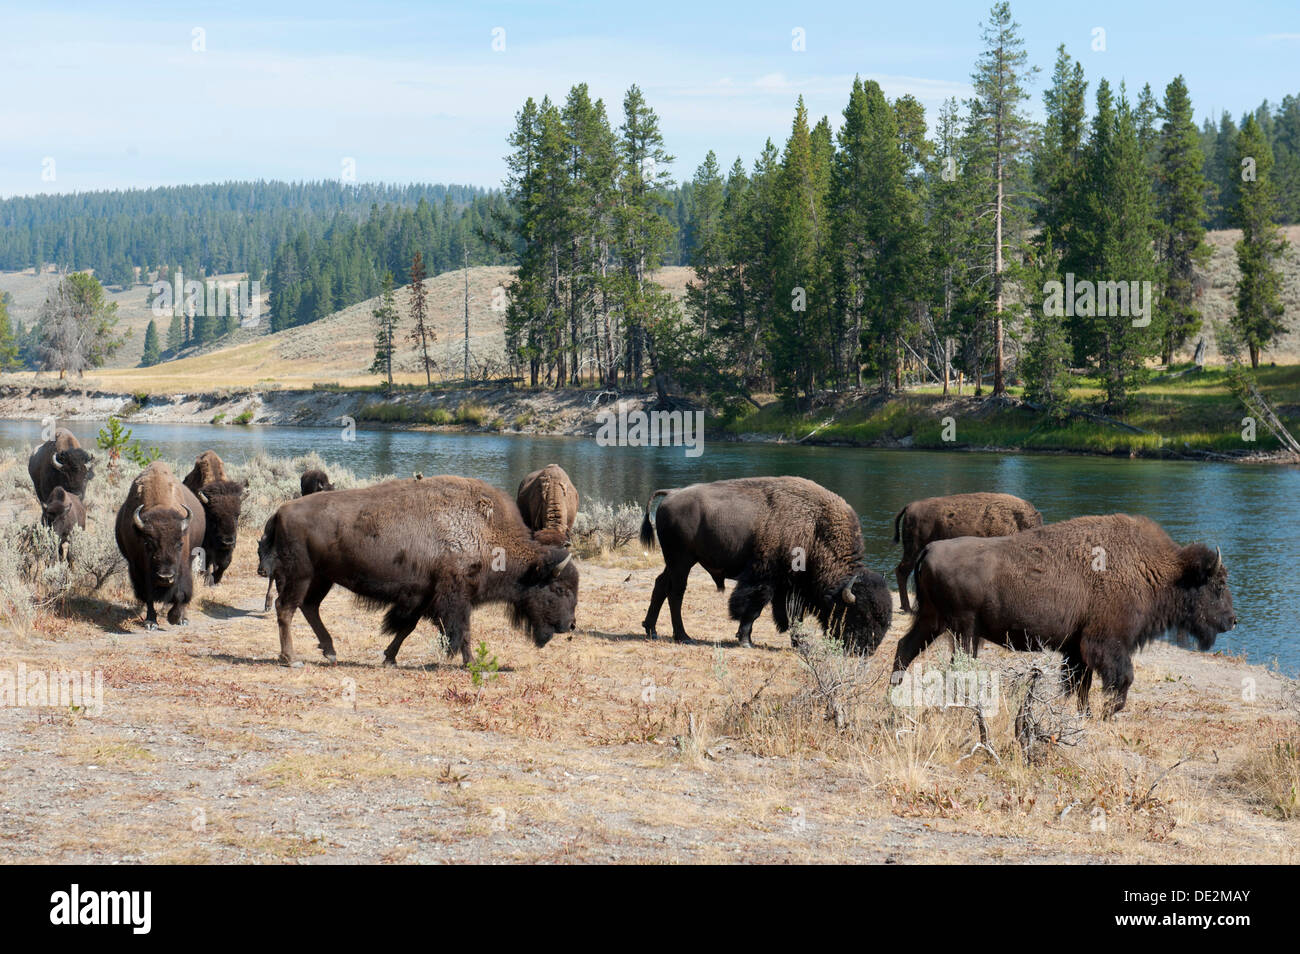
[(858, 611), (221, 501), (75, 467), (314, 481), (163, 532), (265, 556), (548, 596), (1205, 602)]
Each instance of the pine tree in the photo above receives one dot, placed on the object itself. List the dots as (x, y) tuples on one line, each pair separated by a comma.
[(152, 352), (175, 334), (385, 316), (1114, 236), (1003, 133), (643, 224), (1180, 208), (1258, 320), (1045, 364), (8, 340), (422, 332)]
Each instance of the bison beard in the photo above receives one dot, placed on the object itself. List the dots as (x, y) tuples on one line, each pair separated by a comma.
[(1046, 589), (755, 530), (424, 549)]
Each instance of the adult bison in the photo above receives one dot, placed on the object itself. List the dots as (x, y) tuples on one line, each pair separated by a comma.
[(1094, 589), (61, 513), (785, 540), (158, 528), (61, 462), (432, 549), (222, 499), (314, 481), (958, 515), (549, 504)]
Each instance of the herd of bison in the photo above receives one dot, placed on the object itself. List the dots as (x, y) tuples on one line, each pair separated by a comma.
[(1095, 588)]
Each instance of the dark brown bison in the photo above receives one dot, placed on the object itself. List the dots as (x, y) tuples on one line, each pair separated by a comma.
[(958, 515), (222, 499), (549, 504), (785, 540), (61, 462), (426, 549), (314, 481), (1095, 589), (61, 513), (159, 527)]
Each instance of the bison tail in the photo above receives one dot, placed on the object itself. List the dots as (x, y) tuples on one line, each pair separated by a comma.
[(897, 520), (648, 528)]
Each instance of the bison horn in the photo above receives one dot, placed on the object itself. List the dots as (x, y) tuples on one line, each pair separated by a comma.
[(55, 461), (562, 564), (1218, 558), (185, 524), (135, 518), (203, 499), (846, 594)]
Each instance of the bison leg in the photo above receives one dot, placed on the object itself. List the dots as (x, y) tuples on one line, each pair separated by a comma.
[(311, 612), (150, 615), (1116, 670), (400, 626), (925, 628), (453, 617), (902, 572), (747, 602), (676, 590), (1076, 675), (177, 615), (656, 603), (266, 608), (286, 605)]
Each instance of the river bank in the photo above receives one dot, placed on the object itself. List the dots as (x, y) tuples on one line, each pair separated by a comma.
[(1193, 420)]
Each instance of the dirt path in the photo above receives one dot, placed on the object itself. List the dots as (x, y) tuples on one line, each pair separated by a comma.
[(207, 751)]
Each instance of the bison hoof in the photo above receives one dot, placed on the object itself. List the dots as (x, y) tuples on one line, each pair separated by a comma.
[(331, 659), (745, 643), (390, 663), (681, 638), (650, 632), (291, 663), (896, 677), (150, 625)]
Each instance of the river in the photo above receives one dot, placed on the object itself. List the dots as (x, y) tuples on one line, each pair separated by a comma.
[(1251, 511)]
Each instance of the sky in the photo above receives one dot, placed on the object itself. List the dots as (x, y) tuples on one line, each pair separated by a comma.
[(131, 95)]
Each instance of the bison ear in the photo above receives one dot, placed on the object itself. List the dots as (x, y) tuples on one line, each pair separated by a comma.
[(1200, 564)]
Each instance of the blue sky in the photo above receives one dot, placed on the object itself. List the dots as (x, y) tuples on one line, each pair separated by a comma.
[(116, 95)]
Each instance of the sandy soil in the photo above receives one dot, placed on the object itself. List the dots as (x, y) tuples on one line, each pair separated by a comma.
[(603, 746)]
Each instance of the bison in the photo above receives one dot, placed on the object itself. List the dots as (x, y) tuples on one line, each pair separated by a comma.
[(959, 515), (158, 528), (222, 499), (785, 540), (314, 481), (1095, 589), (61, 462), (549, 504), (426, 549), (61, 513)]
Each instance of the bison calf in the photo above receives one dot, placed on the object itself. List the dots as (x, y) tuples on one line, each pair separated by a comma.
[(548, 502), (61, 513), (785, 540), (1095, 589), (222, 500), (426, 549), (958, 515), (159, 527)]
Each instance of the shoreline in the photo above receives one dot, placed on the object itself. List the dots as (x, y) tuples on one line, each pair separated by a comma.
[(545, 413)]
